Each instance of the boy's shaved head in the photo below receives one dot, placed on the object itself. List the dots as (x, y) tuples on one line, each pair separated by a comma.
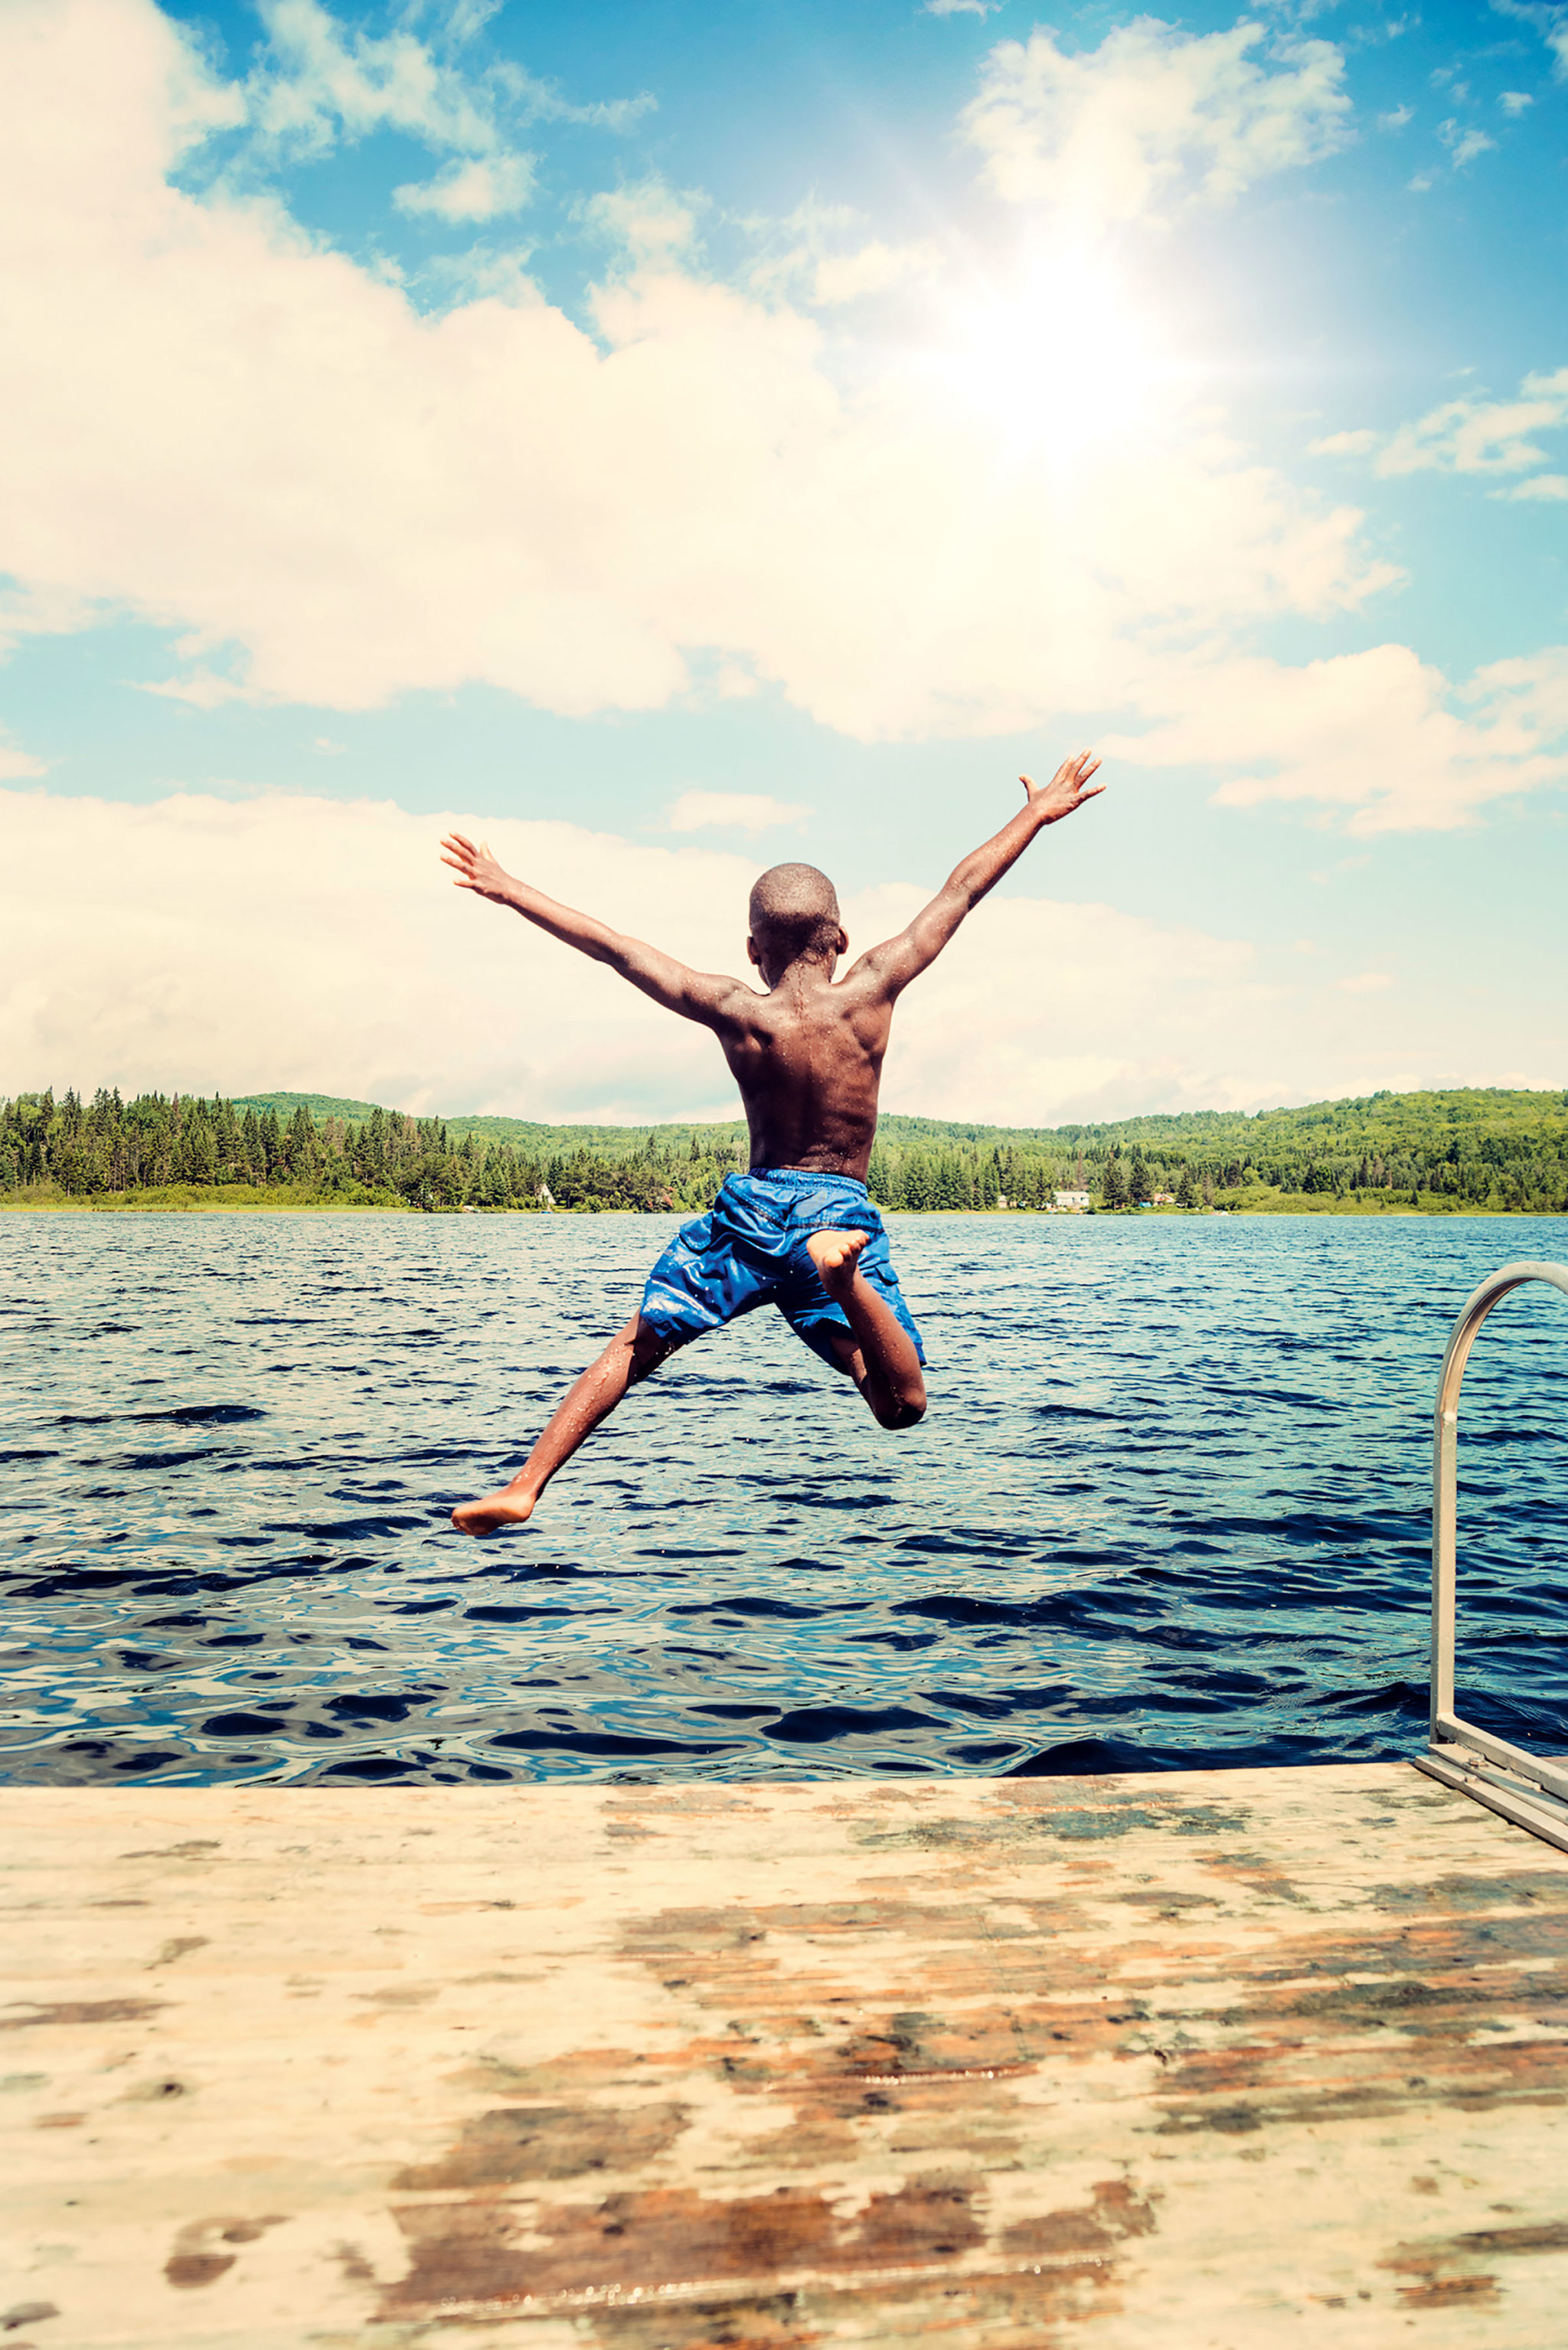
[(795, 913)]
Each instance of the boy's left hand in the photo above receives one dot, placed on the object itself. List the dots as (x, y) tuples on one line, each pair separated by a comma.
[(1064, 792), (476, 869)]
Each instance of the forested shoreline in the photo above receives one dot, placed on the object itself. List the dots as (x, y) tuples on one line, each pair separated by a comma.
[(1465, 1151)]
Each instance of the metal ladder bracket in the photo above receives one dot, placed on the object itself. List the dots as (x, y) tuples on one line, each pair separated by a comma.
[(1526, 1806), (1530, 1790)]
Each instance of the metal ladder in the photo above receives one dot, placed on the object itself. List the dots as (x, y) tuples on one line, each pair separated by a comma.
[(1525, 1789)]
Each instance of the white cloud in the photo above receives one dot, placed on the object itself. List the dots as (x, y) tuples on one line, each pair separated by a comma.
[(319, 81), (1482, 436), (1548, 487), (1464, 143), (1364, 982), (229, 430), (647, 222), (18, 762), (202, 689), (1514, 101), (820, 253), (736, 811), (40, 610), (285, 942), (1547, 17), (471, 190), (1371, 734), (1396, 118), (981, 8), (232, 432), (1475, 435), (1154, 116)]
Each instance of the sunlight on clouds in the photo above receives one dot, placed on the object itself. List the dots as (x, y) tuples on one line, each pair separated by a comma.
[(820, 253), (1003, 357), (226, 426), (313, 944), (1153, 117)]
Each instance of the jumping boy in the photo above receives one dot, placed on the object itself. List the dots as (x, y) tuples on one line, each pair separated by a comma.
[(799, 1230)]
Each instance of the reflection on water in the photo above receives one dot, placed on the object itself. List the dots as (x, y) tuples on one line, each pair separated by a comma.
[(1168, 1506)]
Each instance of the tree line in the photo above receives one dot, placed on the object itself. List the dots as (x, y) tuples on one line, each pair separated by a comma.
[(1468, 1149)]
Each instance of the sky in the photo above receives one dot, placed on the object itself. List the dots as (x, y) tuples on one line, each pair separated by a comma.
[(666, 441)]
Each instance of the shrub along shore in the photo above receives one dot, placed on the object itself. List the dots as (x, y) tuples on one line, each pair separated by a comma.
[(1466, 1151)]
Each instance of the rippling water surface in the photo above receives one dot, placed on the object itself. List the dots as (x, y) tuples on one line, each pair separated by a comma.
[(1169, 1507)]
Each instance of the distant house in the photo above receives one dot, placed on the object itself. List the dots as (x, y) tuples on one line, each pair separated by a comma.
[(1162, 1199), (1072, 1198)]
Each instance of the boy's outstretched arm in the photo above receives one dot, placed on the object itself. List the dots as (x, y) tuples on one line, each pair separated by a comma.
[(899, 960), (695, 994)]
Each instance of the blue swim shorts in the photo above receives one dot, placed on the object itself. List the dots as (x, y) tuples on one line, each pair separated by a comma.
[(749, 1250)]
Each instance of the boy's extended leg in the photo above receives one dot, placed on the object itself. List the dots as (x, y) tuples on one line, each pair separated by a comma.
[(883, 1361), (631, 1355)]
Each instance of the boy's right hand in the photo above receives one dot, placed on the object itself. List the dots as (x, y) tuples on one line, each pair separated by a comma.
[(1064, 792), (476, 869)]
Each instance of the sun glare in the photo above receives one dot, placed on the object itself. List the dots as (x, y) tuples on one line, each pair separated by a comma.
[(1060, 362)]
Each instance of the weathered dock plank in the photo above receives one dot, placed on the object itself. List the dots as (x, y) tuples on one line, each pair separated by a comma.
[(1209, 2061)]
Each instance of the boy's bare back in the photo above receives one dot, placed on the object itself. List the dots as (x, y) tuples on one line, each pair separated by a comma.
[(807, 1058)]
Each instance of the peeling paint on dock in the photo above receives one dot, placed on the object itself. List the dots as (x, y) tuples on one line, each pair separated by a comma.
[(1211, 2060)]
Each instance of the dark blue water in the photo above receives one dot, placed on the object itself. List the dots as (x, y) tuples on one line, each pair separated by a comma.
[(1169, 1507)]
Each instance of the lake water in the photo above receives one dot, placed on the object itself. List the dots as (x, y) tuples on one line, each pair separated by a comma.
[(1169, 1507)]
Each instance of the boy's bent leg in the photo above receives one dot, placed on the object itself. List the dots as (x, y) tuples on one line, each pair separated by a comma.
[(892, 1382), (632, 1353)]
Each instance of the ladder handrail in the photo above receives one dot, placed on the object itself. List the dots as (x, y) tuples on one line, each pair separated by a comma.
[(1447, 1732)]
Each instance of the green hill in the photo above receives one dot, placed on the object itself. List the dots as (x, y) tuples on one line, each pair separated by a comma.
[(1379, 1123), (1467, 1150)]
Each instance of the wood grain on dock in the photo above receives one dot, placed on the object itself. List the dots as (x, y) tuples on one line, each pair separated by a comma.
[(1211, 2059)]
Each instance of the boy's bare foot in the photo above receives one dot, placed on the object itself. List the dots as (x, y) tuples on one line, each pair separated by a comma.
[(510, 1506), (834, 1255)]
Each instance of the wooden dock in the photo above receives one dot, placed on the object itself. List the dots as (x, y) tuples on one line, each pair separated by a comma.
[(1207, 2062)]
